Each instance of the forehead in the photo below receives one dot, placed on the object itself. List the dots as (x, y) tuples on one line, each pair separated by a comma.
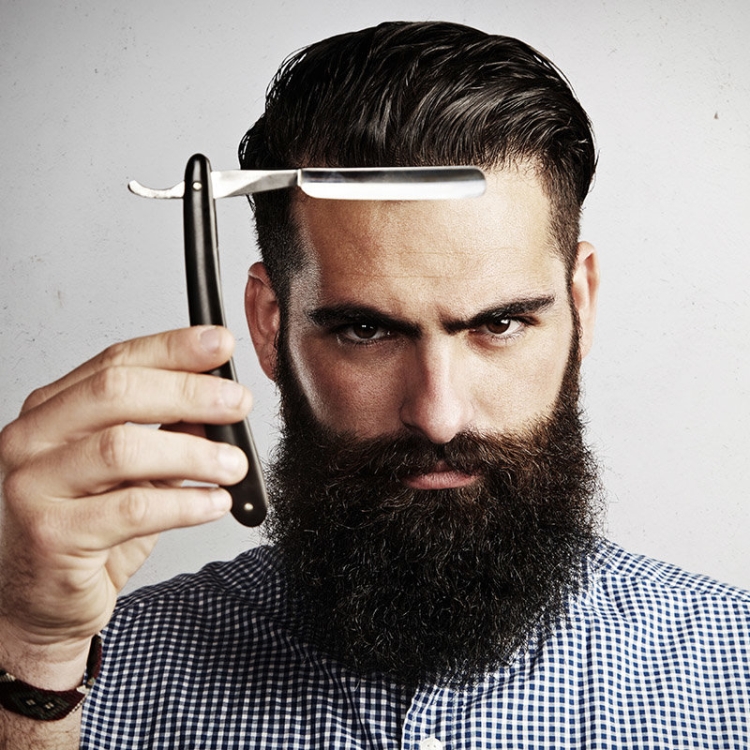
[(499, 243)]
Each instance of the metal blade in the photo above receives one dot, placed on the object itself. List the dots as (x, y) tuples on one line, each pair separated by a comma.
[(395, 183), (246, 181)]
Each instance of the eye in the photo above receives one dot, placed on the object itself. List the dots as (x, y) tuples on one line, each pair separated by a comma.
[(503, 329), (362, 332), (499, 327)]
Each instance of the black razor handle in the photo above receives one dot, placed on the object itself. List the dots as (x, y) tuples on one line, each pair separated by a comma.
[(249, 502)]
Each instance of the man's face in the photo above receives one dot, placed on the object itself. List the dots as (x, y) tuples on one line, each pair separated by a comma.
[(432, 494), (433, 317)]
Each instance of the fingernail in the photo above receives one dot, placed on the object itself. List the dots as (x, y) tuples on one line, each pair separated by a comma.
[(211, 339), (232, 393)]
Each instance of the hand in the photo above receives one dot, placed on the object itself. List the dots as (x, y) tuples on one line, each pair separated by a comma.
[(88, 486)]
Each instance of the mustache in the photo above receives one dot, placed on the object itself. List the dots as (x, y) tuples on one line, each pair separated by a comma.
[(508, 459)]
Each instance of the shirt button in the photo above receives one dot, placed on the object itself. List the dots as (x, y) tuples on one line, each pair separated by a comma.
[(430, 743)]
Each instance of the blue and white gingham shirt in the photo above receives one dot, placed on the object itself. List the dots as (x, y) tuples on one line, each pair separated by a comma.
[(648, 657)]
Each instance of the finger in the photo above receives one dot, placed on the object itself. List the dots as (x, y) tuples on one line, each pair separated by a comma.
[(195, 349), (97, 524), (129, 453), (128, 394), (133, 512)]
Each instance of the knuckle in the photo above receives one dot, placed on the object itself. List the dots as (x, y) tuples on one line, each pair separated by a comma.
[(114, 356), (16, 488), (189, 388), (117, 447), (111, 384), (134, 507), (46, 533), (174, 346), (35, 398), (10, 442), (37, 522)]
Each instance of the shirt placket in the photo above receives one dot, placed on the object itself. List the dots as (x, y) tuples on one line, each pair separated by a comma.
[(427, 725)]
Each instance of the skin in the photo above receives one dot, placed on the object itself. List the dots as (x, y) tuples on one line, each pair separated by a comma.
[(86, 489), (433, 317), (85, 494)]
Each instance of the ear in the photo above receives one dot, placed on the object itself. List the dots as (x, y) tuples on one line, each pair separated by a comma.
[(584, 290), (263, 319)]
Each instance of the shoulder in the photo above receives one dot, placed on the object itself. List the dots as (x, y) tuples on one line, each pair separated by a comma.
[(250, 582), (638, 589), (615, 564)]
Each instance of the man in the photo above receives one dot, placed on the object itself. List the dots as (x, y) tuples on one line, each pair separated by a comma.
[(436, 578)]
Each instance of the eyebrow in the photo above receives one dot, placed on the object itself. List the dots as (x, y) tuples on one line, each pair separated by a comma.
[(511, 309), (334, 316)]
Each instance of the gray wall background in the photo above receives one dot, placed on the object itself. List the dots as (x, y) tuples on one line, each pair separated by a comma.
[(93, 94)]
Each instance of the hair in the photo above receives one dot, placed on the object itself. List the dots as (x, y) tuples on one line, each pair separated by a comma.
[(418, 94)]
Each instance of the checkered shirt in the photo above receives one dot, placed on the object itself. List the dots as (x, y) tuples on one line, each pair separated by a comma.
[(648, 656)]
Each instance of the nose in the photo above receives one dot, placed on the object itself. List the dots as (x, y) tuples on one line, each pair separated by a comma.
[(437, 400)]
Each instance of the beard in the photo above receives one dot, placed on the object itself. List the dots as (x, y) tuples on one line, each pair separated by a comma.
[(431, 585)]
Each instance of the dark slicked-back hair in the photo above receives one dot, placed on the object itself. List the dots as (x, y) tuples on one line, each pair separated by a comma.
[(419, 94)]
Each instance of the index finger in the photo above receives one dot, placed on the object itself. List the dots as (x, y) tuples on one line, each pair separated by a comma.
[(194, 349)]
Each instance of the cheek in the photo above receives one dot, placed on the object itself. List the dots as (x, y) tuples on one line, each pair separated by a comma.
[(541, 384), (520, 390), (346, 397), (545, 378)]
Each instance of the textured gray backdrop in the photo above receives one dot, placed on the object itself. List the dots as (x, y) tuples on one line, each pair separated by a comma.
[(95, 93)]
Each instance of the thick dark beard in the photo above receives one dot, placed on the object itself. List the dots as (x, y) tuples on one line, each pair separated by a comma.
[(431, 585)]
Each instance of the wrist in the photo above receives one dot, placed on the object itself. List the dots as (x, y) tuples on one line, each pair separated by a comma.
[(40, 704), (51, 665)]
